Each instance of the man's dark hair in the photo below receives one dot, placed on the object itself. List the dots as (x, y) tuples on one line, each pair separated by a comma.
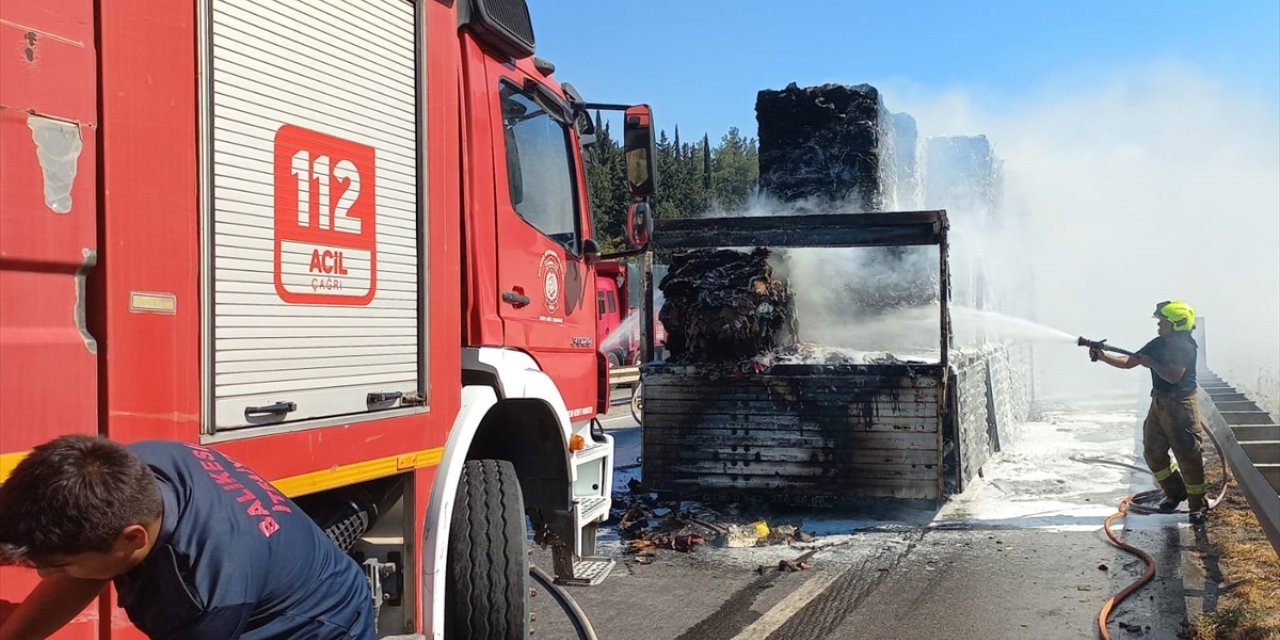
[(74, 494)]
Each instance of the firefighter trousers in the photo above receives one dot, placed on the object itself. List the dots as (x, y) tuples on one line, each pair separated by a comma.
[(1174, 424)]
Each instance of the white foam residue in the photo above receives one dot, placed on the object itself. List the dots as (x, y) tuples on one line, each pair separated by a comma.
[(815, 354), (1066, 473)]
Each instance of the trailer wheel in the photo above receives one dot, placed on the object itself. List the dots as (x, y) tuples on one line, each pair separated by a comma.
[(487, 591), (637, 402)]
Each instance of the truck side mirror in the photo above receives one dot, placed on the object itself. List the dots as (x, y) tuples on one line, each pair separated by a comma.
[(639, 225), (639, 151), (590, 251)]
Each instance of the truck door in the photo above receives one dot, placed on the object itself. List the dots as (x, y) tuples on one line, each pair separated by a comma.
[(546, 286), (48, 242)]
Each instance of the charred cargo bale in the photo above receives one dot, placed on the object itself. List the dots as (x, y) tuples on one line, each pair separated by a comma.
[(906, 166), (724, 305), (822, 143), (890, 279), (836, 148), (963, 175)]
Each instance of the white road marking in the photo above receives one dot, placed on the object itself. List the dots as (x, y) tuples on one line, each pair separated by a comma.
[(789, 606)]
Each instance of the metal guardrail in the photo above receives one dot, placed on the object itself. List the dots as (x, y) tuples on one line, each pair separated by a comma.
[(1261, 496), (624, 375)]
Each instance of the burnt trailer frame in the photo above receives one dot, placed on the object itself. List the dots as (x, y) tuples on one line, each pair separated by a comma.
[(886, 229), (828, 433)]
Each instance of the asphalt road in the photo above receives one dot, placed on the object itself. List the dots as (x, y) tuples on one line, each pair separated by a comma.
[(1020, 554)]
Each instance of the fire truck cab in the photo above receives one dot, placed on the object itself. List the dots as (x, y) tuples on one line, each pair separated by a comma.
[(347, 244)]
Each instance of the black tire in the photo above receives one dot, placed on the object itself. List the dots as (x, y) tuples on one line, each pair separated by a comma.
[(637, 403), (486, 579)]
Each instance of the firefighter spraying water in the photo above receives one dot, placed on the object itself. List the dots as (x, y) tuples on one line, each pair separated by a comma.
[(1173, 420)]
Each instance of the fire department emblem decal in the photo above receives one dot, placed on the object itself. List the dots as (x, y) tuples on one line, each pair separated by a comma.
[(551, 272)]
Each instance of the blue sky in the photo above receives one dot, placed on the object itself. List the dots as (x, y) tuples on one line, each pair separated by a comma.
[(700, 63)]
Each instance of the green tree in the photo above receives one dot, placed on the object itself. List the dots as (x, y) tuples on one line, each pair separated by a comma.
[(692, 179), (735, 171), (607, 188), (706, 164), (680, 183)]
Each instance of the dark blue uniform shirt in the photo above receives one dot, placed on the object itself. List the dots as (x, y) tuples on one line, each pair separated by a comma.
[(236, 559), (1177, 350)]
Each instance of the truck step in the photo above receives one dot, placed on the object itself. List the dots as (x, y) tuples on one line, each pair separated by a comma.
[(588, 572), (591, 508)]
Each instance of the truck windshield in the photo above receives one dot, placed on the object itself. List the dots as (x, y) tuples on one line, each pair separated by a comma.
[(540, 168)]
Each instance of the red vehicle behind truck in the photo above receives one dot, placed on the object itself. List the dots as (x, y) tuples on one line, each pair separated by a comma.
[(346, 244), (611, 306), (618, 297)]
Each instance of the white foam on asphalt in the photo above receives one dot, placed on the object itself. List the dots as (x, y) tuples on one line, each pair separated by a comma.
[(1057, 475)]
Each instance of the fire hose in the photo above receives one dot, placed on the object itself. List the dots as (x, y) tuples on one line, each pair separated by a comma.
[(1133, 504), (577, 616)]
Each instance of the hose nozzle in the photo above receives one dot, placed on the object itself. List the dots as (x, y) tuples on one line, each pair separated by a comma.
[(1101, 345)]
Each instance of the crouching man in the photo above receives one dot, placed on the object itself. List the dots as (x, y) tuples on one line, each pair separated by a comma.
[(197, 545)]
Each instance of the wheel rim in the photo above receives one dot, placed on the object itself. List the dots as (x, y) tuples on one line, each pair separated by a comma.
[(637, 403)]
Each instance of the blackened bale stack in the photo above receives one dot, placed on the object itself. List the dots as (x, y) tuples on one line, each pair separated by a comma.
[(820, 143), (836, 149), (724, 306)]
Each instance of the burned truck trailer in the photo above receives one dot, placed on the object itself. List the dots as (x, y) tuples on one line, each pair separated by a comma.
[(828, 433)]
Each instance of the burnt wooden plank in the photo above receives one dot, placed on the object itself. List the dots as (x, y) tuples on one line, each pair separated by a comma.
[(872, 440), (849, 472), (806, 470), (697, 389), (899, 228), (850, 374), (973, 441), (684, 423), (715, 452), (784, 488), (863, 430), (861, 410)]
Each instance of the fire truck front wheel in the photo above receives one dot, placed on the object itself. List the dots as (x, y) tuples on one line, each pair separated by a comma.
[(488, 568)]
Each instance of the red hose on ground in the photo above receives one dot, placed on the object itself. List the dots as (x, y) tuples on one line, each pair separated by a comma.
[(1147, 574), (1123, 510)]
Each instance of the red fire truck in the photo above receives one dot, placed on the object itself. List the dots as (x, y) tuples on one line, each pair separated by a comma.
[(347, 244)]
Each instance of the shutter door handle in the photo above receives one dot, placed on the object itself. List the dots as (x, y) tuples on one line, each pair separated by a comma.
[(279, 408), (383, 396), (515, 298)]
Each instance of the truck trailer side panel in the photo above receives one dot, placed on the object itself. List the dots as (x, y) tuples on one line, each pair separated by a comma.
[(48, 239)]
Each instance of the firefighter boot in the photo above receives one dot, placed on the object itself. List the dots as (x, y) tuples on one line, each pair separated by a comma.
[(1199, 508), (1174, 492)]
